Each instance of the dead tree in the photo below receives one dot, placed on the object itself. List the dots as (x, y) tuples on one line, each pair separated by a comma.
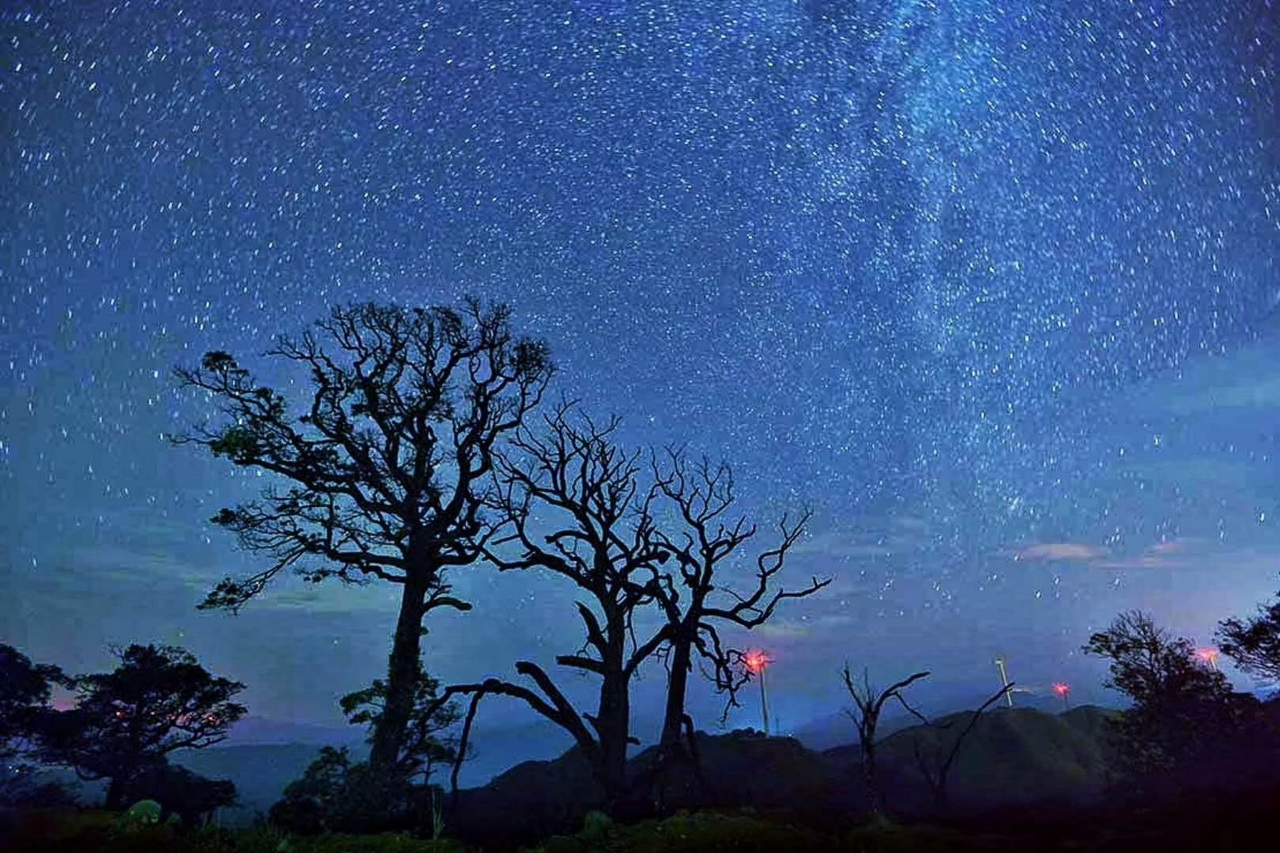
[(695, 595), (386, 468), (575, 482), (867, 718), (936, 769)]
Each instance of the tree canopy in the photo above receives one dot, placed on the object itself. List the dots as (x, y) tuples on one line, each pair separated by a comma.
[(1187, 729), (157, 701), (1254, 643), (382, 474), (25, 688)]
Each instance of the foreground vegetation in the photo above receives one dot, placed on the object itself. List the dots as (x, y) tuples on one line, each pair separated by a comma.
[(1215, 827)]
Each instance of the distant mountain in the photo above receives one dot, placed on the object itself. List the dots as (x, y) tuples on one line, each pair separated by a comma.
[(260, 773), (496, 749), (1012, 757), (261, 761), (253, 731), (833, 730)]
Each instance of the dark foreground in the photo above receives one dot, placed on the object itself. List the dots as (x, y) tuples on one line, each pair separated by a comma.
[(1237, 825)]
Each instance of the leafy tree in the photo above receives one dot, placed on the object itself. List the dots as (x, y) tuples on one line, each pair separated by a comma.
[(385, 466), (157, 701), (179, 791), (1254, 644), (869, 703), (336, 795), (425, 746), (315, 802), (25, 689), (1187, 729)]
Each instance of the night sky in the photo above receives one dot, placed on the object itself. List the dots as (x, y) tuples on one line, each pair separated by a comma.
[(993, 287)]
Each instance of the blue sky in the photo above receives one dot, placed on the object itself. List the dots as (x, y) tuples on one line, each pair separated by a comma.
[(992, 288)]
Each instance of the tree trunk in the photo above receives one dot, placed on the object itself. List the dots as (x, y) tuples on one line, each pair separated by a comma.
[(402, 676), (614, 714), (669, 744), (615, 724), (874, 794), (677, 688), (115, 793), (615, 728)]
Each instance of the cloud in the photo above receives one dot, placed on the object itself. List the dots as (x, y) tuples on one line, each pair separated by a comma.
[(778, 628), (331, 597), (1171, 553), (1074, 551), (1142, 561), (1245, 379), (867, 537), (1174, 546), (833, 544)]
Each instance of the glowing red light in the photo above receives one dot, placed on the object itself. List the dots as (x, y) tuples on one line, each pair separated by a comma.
[(1208, 656), (756, 661), (1061, 689)]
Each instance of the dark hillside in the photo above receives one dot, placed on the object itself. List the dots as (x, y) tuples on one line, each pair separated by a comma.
[(1013, 757)]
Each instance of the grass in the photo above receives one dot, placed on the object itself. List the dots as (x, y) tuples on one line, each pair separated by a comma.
[(92, 831), (72, 831)]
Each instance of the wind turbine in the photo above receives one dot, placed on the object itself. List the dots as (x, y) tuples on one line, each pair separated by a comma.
[(756, 661), (1004, 679)]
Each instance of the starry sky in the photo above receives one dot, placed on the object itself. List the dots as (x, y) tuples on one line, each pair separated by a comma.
[(992, 286)]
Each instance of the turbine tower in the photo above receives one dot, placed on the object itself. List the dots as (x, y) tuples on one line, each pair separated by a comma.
[(756, 662), (1004, 680)]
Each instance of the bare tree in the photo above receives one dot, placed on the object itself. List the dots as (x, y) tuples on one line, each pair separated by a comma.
[(695, 596), (870, 704), (936, 768), (387, 468), (576, 483), (696, 599)]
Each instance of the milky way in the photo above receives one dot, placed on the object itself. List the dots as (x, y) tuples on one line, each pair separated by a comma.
[(906, 262)]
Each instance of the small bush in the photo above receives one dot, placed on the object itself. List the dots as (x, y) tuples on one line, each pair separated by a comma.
[(706, 831), (386, 843)]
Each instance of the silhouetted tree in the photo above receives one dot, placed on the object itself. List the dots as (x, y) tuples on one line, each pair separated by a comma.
[(869, 704), (321, 799), (696, 597), (387, 464), (25, 689), (1187, 729), (425, 745), (586, 492), (190, 796), (935, 767), (336, 795), (1254, 644), (158, 700)]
